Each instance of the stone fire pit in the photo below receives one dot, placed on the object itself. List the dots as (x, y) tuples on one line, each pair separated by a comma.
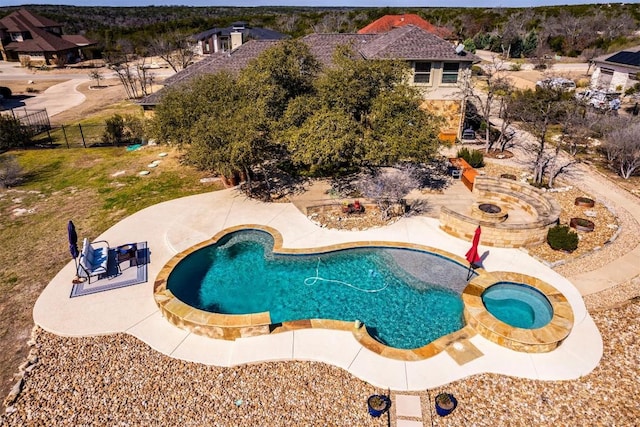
[(489, 212)]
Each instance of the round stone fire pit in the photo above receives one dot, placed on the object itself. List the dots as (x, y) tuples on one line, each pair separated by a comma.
[(489, 212)]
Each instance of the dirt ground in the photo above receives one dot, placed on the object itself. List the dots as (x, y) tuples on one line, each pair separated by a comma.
[(110, 92)]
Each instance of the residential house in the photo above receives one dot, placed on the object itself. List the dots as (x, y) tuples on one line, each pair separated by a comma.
[(389, 22), (217, 40), (25, 36), (617, 72), (435, 63)]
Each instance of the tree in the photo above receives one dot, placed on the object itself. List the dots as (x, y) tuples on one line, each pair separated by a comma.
[(353, 83), (622, 147), (326, 140), (280, 74), (96, 75), (537, 111), (184, 105), (175, 47), (12, 133), (389, 187), (484, 90), (399, 130)]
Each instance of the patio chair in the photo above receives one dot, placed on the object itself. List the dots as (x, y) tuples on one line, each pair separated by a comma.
[(93, 259)]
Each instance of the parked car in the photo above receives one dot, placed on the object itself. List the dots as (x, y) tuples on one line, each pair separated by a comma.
[(557, 83), (601, 99)]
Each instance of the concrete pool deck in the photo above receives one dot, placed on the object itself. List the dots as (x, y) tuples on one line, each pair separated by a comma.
[(174, 226)]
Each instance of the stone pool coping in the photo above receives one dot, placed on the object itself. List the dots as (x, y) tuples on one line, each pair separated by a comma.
[(173, 226), (234, 326)]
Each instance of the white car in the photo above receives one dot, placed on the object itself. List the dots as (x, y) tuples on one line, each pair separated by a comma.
[(559, 83), (602, 100)]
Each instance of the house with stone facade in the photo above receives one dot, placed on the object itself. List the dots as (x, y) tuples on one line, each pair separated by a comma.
[(617, 72), (215, 40), (36, 40), (436, 65)]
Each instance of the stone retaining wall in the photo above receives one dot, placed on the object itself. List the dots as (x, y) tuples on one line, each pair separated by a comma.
[(543, 209)]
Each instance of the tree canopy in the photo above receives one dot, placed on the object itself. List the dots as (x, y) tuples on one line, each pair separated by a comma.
[(283, 107)]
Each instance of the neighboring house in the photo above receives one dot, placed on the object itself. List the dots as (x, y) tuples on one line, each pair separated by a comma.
[(436, 65), (389, 22), (217, 40), (617, 72), (36, 39)]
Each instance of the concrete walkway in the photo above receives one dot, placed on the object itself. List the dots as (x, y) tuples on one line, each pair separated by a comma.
[(176, 225), (625, 268)]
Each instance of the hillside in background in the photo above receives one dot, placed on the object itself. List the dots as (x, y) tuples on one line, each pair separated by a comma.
[(516, 32)]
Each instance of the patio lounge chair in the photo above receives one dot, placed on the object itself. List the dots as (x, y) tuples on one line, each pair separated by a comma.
[(93, 259)]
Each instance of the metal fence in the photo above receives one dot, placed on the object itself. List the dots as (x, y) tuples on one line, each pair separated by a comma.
[(34, 121)]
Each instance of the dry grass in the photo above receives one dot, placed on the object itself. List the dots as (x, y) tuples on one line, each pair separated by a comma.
[(85, 185), (19, 87)]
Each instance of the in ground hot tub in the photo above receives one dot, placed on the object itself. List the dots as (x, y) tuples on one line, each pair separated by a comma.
[(517, 311), (518, 305)]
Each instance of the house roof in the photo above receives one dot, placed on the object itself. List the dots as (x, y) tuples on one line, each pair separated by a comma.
[(413, 43), (22, 20), (41, 40), (77, 39), (249, 32), (232, 62), (323, 46), (626, 58), (389, 22), (405, 43), (629, 57)]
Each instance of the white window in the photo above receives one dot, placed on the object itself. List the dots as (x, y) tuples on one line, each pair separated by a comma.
[(450, 72), (422, 72)]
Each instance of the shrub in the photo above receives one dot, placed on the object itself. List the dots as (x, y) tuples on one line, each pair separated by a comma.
[(475, 158), (12, 133), (516, 66), (122, 129), (561, 237)]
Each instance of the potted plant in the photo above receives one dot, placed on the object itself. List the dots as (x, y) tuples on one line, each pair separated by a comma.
[(445, 404), (378, 404)]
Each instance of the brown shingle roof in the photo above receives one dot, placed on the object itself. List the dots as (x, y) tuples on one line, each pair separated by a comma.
[(323, 46), (406, 43), (232, 62), (413, 43), (41, 40), (23, 20)]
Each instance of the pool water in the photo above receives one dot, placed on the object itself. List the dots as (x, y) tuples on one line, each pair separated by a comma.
[(518, 305), (406, 298)]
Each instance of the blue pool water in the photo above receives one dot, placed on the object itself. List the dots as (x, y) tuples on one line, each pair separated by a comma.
[(405, 298), (518, 305)]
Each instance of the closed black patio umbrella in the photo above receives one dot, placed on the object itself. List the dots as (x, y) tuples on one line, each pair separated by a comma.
[(73, 243)]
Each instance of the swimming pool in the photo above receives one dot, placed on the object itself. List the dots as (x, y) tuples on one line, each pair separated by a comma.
[(406, 298)]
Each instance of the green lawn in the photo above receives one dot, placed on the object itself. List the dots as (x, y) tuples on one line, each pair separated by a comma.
[(94, 187)]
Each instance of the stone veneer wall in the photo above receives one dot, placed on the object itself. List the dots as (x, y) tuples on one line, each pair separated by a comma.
[(508, 194)]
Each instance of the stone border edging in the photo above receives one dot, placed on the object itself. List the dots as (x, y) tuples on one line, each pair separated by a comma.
[(231, 327)]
